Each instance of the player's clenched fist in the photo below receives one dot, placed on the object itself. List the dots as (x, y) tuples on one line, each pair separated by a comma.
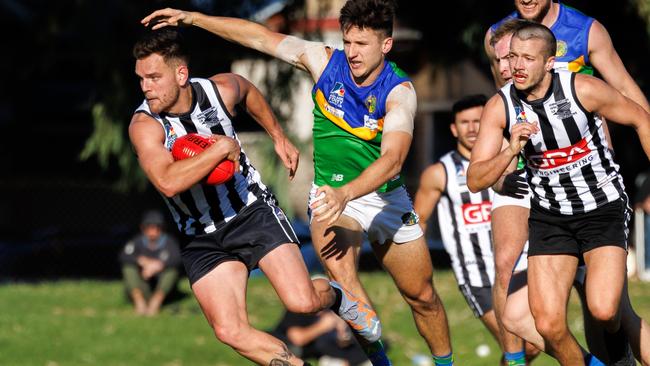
[(519, 135)]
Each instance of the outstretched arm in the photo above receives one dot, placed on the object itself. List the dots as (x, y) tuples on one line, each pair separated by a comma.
[(401, 105), (488, 161), (235, 89), (606, 60), (306, 55), (597, 96), (432, 184)]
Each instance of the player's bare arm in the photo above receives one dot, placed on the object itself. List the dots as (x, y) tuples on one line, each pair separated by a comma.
[(488, 161), (432, 185), (305, 55), (497, 187), (234, 90), (606, 60), (597, 96), (168, 176), (401, 105)]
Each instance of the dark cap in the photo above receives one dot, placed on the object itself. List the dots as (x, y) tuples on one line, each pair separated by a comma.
[(153, 217)]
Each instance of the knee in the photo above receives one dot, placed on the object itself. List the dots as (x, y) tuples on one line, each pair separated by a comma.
[(604, 312), (424, 299), (512, 321), (518, 323), (303, 303), (504, 263), (550, 327), (233, 335)]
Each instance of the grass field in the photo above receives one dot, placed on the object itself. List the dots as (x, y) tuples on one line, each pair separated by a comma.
[(70, 323)]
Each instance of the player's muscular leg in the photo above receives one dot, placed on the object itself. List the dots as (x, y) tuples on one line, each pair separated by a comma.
[(338, 248), (222, 297), (490, 322), (548, 304), (286, 271), (517, 318), (605, 265), (510, 232), (410, 266)]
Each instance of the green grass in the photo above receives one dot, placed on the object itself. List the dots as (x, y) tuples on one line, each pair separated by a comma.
[(90, 323)]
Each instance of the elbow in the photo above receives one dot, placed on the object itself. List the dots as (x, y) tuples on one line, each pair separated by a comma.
[(168, 188), (168, 193), (473, 183), (395, 170), (473, 186), (476, 185)]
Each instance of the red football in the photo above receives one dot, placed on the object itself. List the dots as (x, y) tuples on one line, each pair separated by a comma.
[(192, 144)]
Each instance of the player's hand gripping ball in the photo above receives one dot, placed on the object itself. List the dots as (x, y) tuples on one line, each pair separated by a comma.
[(193, 144)]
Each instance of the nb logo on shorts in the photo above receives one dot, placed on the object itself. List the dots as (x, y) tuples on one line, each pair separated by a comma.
[(410, 218), (476, 213)]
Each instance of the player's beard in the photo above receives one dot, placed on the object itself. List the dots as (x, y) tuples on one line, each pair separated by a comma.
[(466, 143), (166, 101), (535, 81), (537, 18)]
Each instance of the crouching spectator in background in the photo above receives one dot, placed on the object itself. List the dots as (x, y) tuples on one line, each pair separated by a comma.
[(150, 265)]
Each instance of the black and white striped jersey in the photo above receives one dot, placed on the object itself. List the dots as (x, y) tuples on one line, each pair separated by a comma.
[(569, 164), (464, 219), (205, 208)]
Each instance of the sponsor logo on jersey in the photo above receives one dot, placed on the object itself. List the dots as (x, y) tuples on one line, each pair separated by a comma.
[(337, 94), (170, 133), (370, 123), (561, 48), (371, 104), (552, 159), (335, 111), (476, 213), (562, 109), (209, 117), (410, 218), (521, 114)]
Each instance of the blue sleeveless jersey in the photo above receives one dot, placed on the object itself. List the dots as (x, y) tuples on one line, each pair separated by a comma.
[(571, 29), (349, 120)]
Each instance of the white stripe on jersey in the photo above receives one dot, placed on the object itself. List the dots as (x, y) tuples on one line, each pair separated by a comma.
[(205, 208), (568, 162), (464, 220)]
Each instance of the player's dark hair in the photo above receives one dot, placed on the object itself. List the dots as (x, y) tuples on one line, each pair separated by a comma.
[(167, 42), (531, 30), (510, 26), (377, 15), (467, 102)]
